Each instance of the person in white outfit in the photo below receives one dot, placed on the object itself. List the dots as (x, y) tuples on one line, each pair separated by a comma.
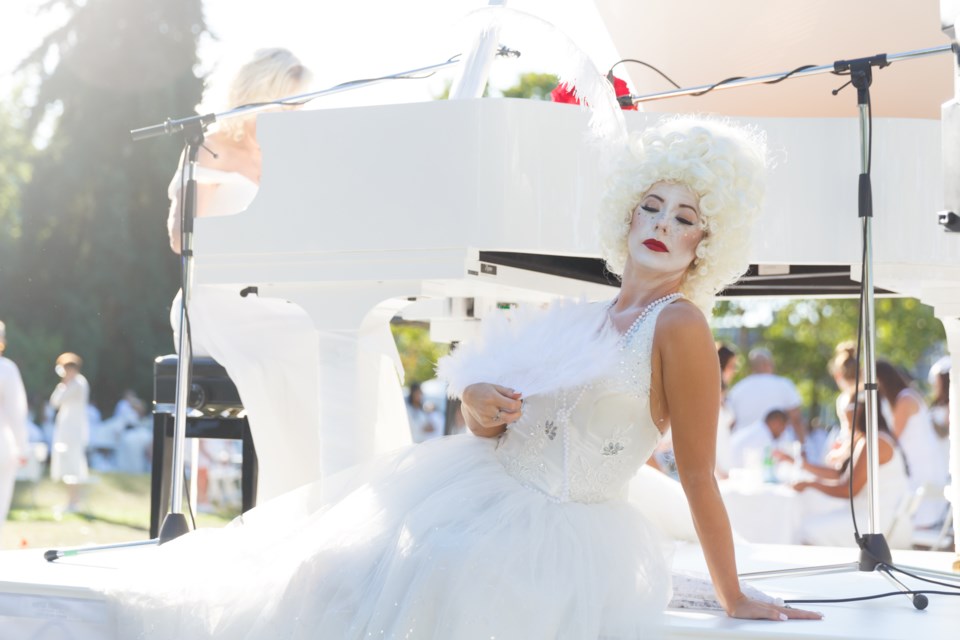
[(761, 392), (729, 362), (423, 422), (68, 461), (267, 346), (761, 437), (13, 427), (281, 365), (926, 456), (826, 499), (845, 370), (939, 379)]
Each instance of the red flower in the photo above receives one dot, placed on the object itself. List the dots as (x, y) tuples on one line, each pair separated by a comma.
[(566, 94), (563, 93)]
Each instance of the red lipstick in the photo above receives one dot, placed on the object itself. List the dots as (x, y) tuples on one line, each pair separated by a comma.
[(655, 245)]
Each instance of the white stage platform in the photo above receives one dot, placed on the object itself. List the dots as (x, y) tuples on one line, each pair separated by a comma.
[(57, 601)]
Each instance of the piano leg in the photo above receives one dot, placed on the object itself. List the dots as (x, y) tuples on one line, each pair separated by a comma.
[(359, 384), (362, 409)]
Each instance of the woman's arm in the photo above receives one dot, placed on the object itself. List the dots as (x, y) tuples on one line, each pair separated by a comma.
[(837, 490), (689, 375), (841, 488), (691, 392), (204, 193), (828, 473), (488, 408), (57, 397)]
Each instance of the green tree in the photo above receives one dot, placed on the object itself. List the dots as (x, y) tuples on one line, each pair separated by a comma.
[(15, 157), (804, 333), (418, 353), (91, 263), (532, 85)]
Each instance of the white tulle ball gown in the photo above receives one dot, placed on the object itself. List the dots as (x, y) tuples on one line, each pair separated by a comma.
[(525, 536)]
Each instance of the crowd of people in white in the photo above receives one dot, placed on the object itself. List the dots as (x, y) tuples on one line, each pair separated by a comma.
[(764, 439)]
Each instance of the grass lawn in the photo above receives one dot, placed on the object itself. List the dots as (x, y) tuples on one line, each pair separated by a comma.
[(115, 508)]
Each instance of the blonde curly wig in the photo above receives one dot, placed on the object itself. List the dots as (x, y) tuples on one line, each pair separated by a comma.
[(724, 164)]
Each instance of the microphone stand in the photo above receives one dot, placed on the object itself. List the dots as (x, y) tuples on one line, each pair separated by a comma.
[(175, 523), (874, 551)]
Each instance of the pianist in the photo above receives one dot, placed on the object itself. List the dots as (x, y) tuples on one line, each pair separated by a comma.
[(268, 347), (519, 530)]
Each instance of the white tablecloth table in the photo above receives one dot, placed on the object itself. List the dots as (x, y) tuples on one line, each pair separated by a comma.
[(762, 512)]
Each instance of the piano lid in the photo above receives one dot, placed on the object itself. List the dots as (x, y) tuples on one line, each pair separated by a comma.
[(379, 183), (368, 185)]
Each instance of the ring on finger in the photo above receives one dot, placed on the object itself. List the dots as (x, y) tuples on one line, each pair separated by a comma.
[(496, 416)]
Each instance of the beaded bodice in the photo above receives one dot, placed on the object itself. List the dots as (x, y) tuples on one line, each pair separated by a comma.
[(585, 443)]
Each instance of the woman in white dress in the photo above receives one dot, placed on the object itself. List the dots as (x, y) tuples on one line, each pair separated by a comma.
[(68, 460), (927, 458), (269, 347), (939, 379), (827, 520), (521, 528), (14, 444), (844, 369), (729, 362)]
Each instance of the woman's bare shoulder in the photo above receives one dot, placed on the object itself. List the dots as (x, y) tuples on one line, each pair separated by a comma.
[(681, 319), (683, 336), (908, 401)]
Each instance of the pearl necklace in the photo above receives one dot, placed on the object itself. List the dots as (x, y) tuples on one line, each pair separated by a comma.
[(628, 334)]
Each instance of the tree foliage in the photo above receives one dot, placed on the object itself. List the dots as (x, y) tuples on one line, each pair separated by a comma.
[(418, 353), (804, 334), (89, 269), (15, 168), (535, 86)]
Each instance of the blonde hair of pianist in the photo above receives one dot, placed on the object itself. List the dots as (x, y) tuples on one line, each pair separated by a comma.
[(231, 153)]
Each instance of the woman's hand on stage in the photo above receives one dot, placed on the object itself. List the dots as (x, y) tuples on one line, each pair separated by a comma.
[(751, 609), (488, 408)]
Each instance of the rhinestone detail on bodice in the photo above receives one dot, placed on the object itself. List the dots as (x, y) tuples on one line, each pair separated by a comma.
[(585, 444)]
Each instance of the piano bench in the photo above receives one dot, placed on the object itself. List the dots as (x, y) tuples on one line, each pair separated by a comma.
[(214, 412)]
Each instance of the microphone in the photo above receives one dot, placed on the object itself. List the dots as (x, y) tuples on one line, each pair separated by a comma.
[(169, 126)]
